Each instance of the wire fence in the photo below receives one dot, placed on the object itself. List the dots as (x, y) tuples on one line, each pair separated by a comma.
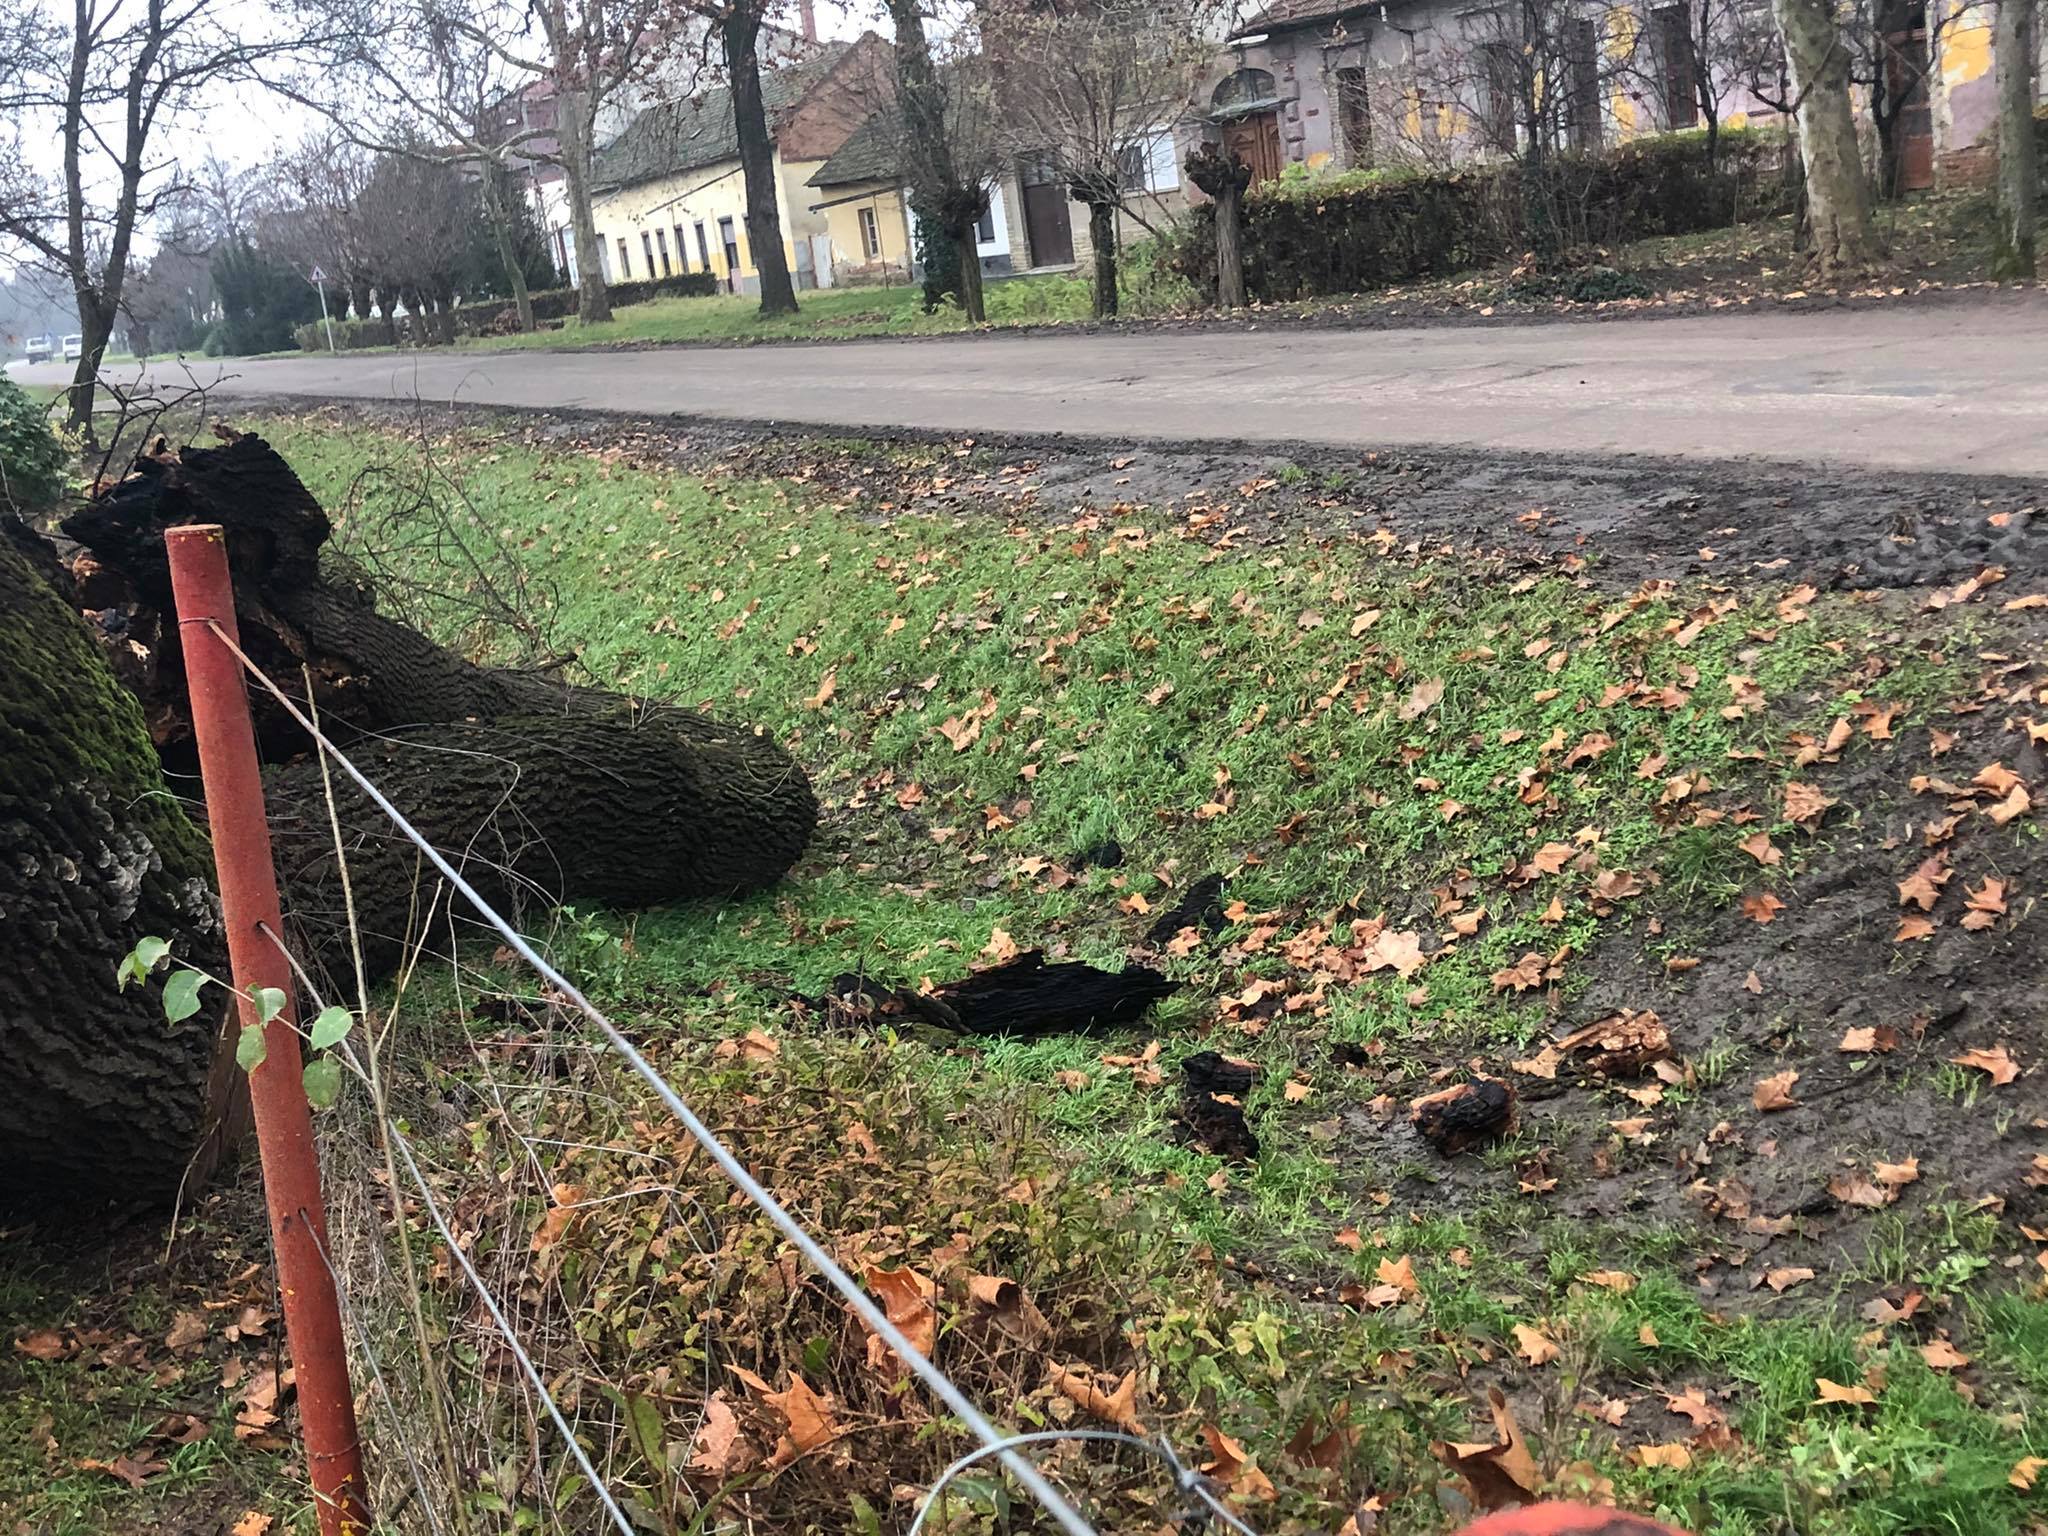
[(443, 1466)]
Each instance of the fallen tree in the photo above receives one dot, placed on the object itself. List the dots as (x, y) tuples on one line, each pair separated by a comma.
[(533, 786), (107, 1100)]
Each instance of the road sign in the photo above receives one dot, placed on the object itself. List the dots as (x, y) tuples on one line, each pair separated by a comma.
[(319, 276)]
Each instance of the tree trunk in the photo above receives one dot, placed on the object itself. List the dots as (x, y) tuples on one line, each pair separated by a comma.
[(2012, 251), (739, 30), (619, 810), (106, 1099), (508, 255), (95, 326), (968, 242), (1102, 236), (572, 133), (1230, 292), (582, 795), (1837, 191)]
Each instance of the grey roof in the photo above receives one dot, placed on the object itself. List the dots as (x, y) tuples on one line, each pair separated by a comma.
[(688, 135), (1285, 15), (872, 152)]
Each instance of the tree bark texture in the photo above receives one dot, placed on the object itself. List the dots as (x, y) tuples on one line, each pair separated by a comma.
[(582, 781), (929, 163), (609, 809), (107, 1100), (1224, 176), (508, 255), (573, 133), (2012, 252), (741, 29), (1837, 190), (1102, 236)]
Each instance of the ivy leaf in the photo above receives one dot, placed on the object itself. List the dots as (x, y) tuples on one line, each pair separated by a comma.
[(141, 960), (181, 995), (269, 1002), (330, 1028), (250, 1048), (322, 1078)]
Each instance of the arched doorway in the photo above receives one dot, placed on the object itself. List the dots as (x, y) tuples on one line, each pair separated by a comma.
[(1244, 106)]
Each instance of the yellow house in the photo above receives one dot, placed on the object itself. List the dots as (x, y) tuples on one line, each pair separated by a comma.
[(670, 196)]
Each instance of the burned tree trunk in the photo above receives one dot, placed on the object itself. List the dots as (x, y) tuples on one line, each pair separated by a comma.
[(106, 1099), (578, 794)]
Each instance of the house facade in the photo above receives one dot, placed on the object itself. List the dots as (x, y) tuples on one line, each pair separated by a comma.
[(669, 194), (1031, 225), (1335, 86)]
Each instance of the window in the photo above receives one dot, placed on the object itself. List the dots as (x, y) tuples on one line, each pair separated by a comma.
[(703, 248), (1146, 164), (647, 250), (985, 230), (1132, 167), (1583, 54), (1353, 118), (870, 235), (661, 245), (682, 251), (1246, 91), (625, 262), (1675, 55), (729, 238)]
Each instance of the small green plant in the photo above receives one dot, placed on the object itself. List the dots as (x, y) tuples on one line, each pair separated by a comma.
[(182, 986), (31, 457)]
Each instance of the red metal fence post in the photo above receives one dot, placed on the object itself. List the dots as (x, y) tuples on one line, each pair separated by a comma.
[(284, 1120)]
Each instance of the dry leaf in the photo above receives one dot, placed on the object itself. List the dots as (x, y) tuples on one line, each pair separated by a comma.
[(1677, 1456), (1896, 1175), (906, 1297), (1835, 1392), (1775, 1092), (1805, 804), (1422, 699), (1534, 1345), (827, 686), (808, 1415), (1758, 846), (253, 1523), (187, 1329), (1692, 1404), (721, 1450), (1617, 1280), (2026, 1470), (50, 1345), (1498, 1473), (1941, 1355), (1782, 1280), (1118, 1408), (1996, 1061), (1762, 907), (1400, 1274)]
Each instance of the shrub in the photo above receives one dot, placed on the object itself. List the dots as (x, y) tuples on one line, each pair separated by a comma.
[(1320, 234), (488, 317), (31, 458)]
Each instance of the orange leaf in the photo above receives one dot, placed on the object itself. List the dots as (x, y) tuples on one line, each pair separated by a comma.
[(1534, 1345), (1758, 846), (1500, 1472), (906, 1297), (2026, 1470), (1118, 1408), (1941, 1355), (1782, 1280), (1676, 1455), (1996, 1061), (1400, 1274), (1762, 907), (1775, 1092), (1835, 1392), (1617, 1280)]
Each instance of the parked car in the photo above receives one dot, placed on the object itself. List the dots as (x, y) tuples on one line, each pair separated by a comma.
[(40, 349), (74, 348)]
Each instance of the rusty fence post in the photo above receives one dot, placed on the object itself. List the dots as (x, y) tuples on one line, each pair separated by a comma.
[(284, 1120)]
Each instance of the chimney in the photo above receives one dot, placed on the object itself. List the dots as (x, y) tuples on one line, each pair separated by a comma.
[(808, 11)]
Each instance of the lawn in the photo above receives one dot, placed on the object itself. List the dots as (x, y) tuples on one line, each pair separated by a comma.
[(1463, 802)]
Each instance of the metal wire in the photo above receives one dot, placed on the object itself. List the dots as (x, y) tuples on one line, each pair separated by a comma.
[(1187, 1480), (512, 1343), (864, 1306)]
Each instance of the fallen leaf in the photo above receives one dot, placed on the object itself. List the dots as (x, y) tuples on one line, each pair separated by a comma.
[(807, 1414), (1001, 948), (1805, 804), (1897, 1175), (1534, 1345), (1758, 846), (1117, 1408), (1500, 1472), (721, 1449), (1692, 1404), (1782, 1280), (1835, 1392), (1996, 1061), (1775, 1092), (1869, 1037), (2025, 1471), (1941, 1355), (1853, 1189), (187, 1329), (1619, 1281), (906, 1297), (50, 1345), (1913, 927), (827, 686), (1422, 699), (1762, 907), (1400, 1274), (1677, 1456), (253, 1523), (1922, 888), (123, 1469)]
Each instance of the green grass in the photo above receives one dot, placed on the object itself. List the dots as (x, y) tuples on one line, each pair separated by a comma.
[(1153, 677)]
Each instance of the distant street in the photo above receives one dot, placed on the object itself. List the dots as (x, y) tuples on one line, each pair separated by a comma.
[(1959, 386)]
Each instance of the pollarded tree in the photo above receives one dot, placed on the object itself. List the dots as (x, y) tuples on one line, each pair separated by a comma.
[(1090, 87)]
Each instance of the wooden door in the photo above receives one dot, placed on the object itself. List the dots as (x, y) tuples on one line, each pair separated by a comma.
[(1255, 139), (1048, 228)]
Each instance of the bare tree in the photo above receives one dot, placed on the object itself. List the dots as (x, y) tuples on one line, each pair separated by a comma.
[(104, 77), (2013, 254), (1088, 88)]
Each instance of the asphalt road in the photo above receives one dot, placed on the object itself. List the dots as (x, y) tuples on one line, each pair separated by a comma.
[(1960, 386)]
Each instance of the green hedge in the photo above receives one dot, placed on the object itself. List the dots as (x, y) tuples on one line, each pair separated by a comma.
[(1309, 236), (32, 461), (499, 316)]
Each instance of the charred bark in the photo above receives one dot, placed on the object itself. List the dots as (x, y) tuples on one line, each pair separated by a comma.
[(1023, 998), (108, 1101)]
